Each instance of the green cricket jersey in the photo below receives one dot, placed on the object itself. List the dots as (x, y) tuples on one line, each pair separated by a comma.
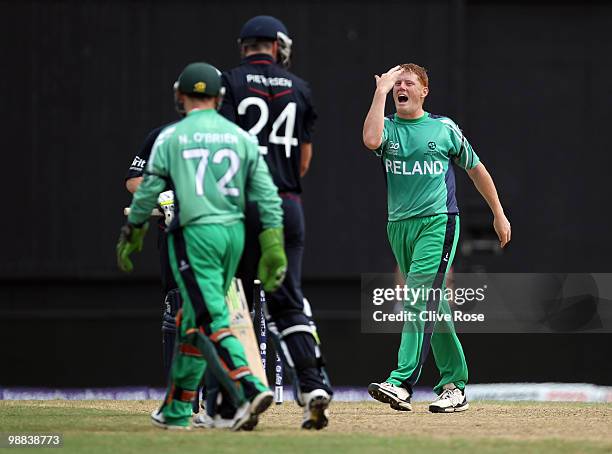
[(416, 155), (213, 166)]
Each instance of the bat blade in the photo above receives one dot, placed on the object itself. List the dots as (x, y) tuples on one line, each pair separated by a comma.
[(242, 327)]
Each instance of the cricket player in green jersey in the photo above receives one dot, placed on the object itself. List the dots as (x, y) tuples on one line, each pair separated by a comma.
[(213, 166), (418, 150)]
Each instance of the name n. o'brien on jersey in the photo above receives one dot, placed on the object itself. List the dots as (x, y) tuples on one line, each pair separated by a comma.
[(208, 137)]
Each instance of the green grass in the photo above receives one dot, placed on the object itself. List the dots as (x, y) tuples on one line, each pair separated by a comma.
[(125, 428)]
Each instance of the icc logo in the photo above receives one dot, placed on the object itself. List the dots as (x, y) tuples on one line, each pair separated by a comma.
[(431, 145)]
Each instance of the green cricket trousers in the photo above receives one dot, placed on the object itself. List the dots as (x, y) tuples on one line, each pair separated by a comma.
[(424, 249), (204, 259)]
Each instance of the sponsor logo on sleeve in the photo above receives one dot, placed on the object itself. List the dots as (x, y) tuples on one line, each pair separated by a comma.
[(138, 163)]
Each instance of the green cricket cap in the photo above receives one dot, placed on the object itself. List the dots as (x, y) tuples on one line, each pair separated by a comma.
[(199, 79)]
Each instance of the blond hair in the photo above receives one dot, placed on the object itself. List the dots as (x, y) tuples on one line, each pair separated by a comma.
[(419, 71)]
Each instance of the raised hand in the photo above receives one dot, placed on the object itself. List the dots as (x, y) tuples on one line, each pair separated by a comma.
[(385, 81)]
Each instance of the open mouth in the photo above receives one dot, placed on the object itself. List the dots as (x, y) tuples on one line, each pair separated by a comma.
[(402, 98)]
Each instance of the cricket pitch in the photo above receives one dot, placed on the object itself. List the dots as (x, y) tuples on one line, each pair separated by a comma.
[(123, 426)]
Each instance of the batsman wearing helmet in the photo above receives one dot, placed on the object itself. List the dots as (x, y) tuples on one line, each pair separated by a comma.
[(418, 150), (213, 166), (265, 98)]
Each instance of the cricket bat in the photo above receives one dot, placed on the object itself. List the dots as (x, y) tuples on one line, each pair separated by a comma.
[(242, 327), (154, 213), (240, 321)]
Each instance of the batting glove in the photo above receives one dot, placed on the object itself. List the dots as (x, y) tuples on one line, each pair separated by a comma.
[(131, 239), (273, 262), (166, 203)]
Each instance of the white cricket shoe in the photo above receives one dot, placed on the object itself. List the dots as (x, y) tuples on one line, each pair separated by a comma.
[(204, 421), (158, 420), (248, 413), (397, 397), (316, 414), (451, 399)]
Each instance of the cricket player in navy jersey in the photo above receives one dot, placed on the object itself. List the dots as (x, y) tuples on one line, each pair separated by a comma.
[(169, 287), (418, 150), (263, 97)]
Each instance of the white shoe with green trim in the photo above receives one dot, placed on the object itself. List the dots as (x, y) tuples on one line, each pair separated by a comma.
[(452, 399)]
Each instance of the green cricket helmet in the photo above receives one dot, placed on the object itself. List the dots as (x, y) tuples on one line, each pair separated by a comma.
[(199, 79)]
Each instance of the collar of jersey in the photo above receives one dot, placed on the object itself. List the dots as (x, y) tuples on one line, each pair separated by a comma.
[(259, 59), (410, 122), (196, 111)]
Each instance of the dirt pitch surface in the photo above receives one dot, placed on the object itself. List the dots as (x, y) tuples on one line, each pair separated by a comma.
[(123, 426)]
